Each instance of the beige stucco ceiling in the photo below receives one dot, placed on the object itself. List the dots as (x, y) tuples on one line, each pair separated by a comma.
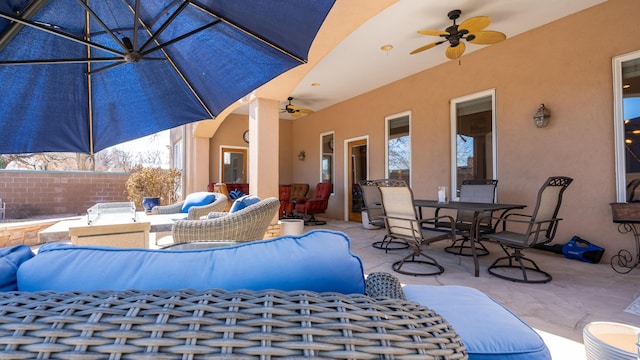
[(355, 64)]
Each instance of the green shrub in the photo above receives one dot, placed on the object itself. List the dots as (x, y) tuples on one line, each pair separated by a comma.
[(151, 181)]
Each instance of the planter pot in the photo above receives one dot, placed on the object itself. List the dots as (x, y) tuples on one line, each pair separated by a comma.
[(292, 226), (149, 203)]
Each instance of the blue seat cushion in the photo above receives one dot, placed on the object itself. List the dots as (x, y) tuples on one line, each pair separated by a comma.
[(10, 260), (488, 329), (319, 261), (243, 201), (197, 199)]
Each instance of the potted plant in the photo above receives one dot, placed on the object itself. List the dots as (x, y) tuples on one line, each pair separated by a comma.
[(149, 186)]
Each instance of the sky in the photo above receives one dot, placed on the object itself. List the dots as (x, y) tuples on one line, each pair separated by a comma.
[(159, 141)]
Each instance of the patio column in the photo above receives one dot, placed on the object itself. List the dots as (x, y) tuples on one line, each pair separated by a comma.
[(197, 169), (264, 140)]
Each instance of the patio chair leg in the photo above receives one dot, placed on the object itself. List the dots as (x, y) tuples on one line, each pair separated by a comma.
[(388, 243), (525, 269), (411, 258), (462, 247), (311, 220)]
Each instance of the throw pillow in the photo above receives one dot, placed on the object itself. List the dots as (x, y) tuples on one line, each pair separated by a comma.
[(10, 260), (198, 199), (242, 202)]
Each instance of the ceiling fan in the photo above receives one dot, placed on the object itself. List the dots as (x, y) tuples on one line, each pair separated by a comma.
[(470, 30), (294, 110)]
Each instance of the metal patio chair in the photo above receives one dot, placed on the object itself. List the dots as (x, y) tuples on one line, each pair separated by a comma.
[(375, 213), (403, 223), (539, 228), (477, 191)]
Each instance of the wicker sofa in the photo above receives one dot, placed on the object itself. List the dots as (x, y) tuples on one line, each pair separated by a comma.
[(292, 296)]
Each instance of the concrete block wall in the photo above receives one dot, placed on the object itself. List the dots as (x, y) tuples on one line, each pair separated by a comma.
[(58, 192)]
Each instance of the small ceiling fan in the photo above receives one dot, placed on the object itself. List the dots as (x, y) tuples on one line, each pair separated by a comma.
[(470, 30), (294, 110)]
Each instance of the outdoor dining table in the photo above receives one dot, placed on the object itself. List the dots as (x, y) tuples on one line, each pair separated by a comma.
[(477, 208)]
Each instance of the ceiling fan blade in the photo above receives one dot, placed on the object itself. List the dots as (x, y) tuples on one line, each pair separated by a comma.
[(487, 37), (475, 24), (454, 52), (426, 47), (433, 32), (296, 113), (306, 111)]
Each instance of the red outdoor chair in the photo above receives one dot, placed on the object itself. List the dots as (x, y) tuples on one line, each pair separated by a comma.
[(316, 205), (285, 200)]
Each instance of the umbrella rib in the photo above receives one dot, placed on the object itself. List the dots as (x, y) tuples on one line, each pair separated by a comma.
[(163, 26), (136, 25), (183, 36), (255, 36), (58, 33), (106, 67), (102, 24), (59, 61), (14, 28)]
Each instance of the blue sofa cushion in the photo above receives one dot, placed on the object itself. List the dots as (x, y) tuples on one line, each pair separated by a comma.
[(488, 329), (197, 199), (243, 201), (10, 260), (319, 261)]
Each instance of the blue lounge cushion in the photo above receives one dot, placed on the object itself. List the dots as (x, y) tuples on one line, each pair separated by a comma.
[(242, 202), (198, 199), (488, 329), (10, 260), (319, 260)]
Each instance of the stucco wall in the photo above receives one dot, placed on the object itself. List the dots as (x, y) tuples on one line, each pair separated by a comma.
[(59, 192), (566, 64), (229, 134)]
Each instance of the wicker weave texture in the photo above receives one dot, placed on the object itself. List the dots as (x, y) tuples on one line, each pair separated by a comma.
[(193, 324), (247, 224), (195, 212)]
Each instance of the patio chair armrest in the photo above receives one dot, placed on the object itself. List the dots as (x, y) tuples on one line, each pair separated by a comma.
[(219, 204), (300, 200), (168, 209), (216, 214)]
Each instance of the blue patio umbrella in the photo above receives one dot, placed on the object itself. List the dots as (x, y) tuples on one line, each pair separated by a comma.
[(83, 75)]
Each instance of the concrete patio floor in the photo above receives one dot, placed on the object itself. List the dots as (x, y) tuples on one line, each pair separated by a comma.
[(579, 293)]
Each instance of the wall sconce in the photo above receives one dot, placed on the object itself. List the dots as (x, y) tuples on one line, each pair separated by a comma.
[(542, 116), (302, 155)]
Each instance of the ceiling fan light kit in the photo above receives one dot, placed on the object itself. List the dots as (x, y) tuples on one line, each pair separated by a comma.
[(470, 30), (294, 110)]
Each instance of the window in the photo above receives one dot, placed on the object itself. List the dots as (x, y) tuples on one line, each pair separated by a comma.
[(398, 146), (472, 139), (326, 157), (626, 89)]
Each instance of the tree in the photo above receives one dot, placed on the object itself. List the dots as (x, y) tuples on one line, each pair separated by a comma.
[(153, 181)]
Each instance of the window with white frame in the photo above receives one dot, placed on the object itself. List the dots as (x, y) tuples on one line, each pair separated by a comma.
[(398, 146), (473, 139), (327, 156)]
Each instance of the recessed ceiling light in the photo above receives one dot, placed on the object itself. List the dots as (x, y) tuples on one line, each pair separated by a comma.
[(387, 47), (626, 86), (315, 84)]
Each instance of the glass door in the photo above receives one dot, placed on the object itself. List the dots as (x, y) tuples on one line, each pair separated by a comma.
[(234, 166), (357, 155)]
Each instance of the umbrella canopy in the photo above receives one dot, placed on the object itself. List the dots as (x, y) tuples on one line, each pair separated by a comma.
[(83, 75)]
